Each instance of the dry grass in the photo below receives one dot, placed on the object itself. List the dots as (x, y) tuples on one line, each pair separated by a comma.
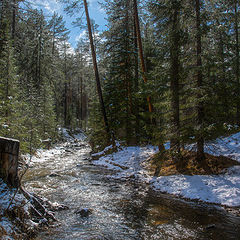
[(163, 164)]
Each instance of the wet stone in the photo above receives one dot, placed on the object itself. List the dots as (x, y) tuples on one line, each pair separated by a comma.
[(67, 150), (84, 212), (210, 226), (59, 207), (54, 175)]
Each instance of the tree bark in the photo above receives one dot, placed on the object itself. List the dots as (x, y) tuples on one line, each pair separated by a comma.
[(174, 55), (94, 59), (237, 57), (139, 39), (9, 150), (137, 125), (66, 124), (200, 108), (13, 18), (127, 77)]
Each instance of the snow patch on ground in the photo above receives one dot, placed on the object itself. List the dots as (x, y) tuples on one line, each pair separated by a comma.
[(6, 195), (67, 135), (118, 145), (9, 199), (227, 146), (42, 155), (127, 161), (220, 189)]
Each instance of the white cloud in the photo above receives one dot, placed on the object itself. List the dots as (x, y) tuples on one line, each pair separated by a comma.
[(49, 5), (101, 10), (81, 35), (93, 3)]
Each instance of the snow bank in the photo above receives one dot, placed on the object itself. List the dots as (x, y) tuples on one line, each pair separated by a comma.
[(68, 136), (6, 195), (127, 161), (222, 189), (43, 154), (10, 201), (228, 147)]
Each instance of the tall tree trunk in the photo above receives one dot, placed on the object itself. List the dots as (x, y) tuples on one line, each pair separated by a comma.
[(139, 39), (221, 53), (81, 92), (237, 57), (174, 88), (94, 59), (65, 88), (200, 108), (136, 84), (127, 76), (14, 18), (8, 79)]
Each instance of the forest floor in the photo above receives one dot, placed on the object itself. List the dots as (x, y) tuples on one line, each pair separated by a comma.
[(218, 181)]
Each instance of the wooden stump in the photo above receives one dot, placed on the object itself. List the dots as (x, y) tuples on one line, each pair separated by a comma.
[(9, 150)]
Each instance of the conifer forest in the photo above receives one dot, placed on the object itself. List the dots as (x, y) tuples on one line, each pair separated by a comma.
[(163, 73), (167, 71)]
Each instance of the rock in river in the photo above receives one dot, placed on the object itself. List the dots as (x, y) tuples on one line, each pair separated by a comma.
[(84, 212)]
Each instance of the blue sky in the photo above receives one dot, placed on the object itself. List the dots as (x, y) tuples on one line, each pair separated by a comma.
[(95, 12)]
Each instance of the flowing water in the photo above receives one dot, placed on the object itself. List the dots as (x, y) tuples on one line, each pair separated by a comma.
[(121, 210)]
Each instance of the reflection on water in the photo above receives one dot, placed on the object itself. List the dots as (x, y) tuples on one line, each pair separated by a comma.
[(121, 210)]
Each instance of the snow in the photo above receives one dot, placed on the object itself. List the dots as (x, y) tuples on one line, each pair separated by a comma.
[(118, 145), (6, 196), (228, 147), (42, 155), (80, 136), (127, 160), (221, 189), (7, 226)]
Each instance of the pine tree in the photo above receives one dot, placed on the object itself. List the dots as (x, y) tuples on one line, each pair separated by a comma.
[(167, 17), (118, 90)]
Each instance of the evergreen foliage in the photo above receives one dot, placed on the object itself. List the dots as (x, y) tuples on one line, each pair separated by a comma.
[(191, 53)]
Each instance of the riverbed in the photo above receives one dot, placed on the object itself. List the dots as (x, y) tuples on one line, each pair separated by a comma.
[(120, 209)]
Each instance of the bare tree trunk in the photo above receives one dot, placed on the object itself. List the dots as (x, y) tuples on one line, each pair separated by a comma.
[(65, 89), (81, 92), (174, 55), (127, 77), (237, 57), (7, 80), (136, 84), (94, 59), (200, 108), (14, 18), (139, 39)]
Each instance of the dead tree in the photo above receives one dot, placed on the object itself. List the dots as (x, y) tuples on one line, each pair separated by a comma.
[(9, 150)]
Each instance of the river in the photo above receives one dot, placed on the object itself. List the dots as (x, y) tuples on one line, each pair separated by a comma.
[(120, 210)]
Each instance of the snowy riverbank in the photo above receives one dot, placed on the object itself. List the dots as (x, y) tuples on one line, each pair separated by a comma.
[(220, 189), (21, 212)]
